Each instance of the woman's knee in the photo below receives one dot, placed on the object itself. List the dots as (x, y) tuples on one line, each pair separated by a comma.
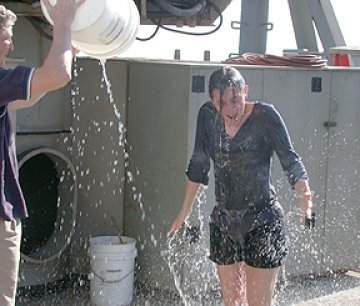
[(260, 285)]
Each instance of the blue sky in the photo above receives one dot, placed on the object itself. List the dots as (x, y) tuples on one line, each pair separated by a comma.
[(226, 40)]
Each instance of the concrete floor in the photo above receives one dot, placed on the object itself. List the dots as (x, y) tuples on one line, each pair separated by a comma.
[(331, 290)]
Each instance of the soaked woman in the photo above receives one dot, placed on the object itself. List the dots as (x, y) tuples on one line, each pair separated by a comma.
[(247, 228)]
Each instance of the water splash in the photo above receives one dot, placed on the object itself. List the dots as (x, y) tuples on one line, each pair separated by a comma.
[(121, 126), (186, 255)]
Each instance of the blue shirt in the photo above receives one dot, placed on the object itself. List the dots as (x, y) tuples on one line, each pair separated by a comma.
[(14, 85)]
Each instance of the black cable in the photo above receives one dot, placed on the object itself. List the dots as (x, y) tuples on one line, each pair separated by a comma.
[(189, 12), (151, 36), (158, 14), (195, 33)]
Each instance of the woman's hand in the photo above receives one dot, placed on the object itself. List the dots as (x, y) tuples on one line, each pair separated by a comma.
[(305, 208), (191, 189), (180, 219), (305, 197)]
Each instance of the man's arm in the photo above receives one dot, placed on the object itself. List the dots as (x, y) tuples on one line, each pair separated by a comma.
[(56, 69), (19, 104)]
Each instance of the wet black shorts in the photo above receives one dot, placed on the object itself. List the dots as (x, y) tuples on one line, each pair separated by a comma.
[(263, 247)]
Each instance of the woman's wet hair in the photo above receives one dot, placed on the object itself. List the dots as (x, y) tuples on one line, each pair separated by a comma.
[(225, 77)]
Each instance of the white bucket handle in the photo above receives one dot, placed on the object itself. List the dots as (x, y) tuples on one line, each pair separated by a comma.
[(112, 257), (112, 271)]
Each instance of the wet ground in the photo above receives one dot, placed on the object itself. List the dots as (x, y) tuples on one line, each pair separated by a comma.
[(337, 289)]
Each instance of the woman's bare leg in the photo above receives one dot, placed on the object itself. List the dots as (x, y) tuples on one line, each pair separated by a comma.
[(260, 285), (232, 282)]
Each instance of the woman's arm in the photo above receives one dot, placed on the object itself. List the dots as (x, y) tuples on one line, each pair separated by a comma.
[(197, 172), (191, 189), (280, 139), (291, 163), (305, 197)]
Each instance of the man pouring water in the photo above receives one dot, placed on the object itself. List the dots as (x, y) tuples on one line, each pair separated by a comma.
[(19, 88)]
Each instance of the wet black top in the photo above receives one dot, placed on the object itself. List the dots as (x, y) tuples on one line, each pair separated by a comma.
[(243, 163)]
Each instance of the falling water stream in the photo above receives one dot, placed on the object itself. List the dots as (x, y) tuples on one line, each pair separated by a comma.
[(185, 252), (186, 256)]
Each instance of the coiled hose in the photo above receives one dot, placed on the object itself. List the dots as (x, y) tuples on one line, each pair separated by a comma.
[(306, 60)]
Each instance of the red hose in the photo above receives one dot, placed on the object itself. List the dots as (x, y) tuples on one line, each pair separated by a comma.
[(313, 61)]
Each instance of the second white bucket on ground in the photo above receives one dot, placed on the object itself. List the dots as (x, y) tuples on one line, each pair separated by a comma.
[(112, 270)]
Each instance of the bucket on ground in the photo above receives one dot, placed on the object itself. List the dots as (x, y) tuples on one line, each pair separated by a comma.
[(103, 29), (112, 267)]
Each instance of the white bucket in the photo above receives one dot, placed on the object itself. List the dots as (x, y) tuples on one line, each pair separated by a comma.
[(103, 28), (112, 270)]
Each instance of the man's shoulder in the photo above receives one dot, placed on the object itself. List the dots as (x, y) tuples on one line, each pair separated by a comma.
[(18, 70), (15, 84), (4, 71)]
